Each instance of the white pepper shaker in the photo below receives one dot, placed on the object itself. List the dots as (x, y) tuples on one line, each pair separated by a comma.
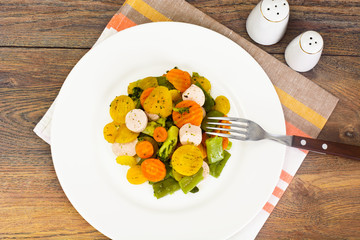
[(267, 22), (303, 52)]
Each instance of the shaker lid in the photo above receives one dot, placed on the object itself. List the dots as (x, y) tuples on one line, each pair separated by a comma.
[(275, 10), (311, 42)]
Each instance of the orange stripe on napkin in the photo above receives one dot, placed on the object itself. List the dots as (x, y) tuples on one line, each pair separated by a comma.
[(268, 207), (146, 10), (120, 22), (278, 192), (300, 109), (285, 176), (292, 130)]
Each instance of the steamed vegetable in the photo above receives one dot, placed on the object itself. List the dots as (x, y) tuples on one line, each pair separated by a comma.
[(187, 183), (162, 81), (222, 104), (204, 82), (153, 169), (187, 112), (214, 149), (119, 107), (143, 84), (159, 102), (144, 149), (110, 132), (150, 128), (165, 187), (170, 143), (179, 78), (216, 168), (145, 94), (187, 160), (134, 175), (126, 160), (160, 134), (125, 135)]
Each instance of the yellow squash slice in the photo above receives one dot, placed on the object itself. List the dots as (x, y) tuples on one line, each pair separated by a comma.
[(187, 160), (159, 102)]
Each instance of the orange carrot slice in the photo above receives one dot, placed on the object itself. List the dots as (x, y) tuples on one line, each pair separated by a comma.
[(144, 149), (145, 94), (153, 169), (187, 112), (160, 134), (179, 78)]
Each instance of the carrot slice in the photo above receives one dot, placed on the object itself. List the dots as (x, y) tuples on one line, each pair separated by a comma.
[(145, 94), (225, 143), (144, 149), (153, 169), (160, 134), (179, 78), (187, 112)]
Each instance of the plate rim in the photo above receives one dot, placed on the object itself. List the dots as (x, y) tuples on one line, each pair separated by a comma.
[(141, 26)]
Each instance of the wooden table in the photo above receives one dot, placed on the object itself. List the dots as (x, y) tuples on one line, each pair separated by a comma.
[(40, 42)]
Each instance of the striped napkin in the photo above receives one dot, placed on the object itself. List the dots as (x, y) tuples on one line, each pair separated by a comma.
[(306, 106)]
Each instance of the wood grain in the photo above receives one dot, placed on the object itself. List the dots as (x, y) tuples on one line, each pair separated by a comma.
[(40, 42)]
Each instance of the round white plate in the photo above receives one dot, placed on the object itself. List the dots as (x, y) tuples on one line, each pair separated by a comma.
[(96, 185)]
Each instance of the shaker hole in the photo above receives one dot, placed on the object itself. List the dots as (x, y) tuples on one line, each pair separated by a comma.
[(315, 42), (277, 13), (309, 43), (310, 38), (275, 5), (268, 9), (284, 4)]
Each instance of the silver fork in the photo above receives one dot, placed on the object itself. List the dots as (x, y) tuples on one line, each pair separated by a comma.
[(247, 130)]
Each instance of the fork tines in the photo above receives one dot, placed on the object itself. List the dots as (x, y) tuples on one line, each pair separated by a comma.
[(238, 127)]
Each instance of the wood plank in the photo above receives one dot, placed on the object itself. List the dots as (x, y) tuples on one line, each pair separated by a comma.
[(336, 21), (74, 24)]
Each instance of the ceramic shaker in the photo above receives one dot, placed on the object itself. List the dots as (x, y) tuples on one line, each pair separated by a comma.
[(304, 51), (267, 22)]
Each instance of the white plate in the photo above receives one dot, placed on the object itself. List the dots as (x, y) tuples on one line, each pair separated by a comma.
[(97, 186)]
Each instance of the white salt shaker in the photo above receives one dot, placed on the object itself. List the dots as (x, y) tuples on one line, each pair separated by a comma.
[(304, 51), (267, 22)]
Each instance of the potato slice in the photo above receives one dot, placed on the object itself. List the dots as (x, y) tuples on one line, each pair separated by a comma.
[(125, 135), (187, 160), (222, 104), (119, 107), (144, 83), (111, 132), (135, 176), (159, 102)]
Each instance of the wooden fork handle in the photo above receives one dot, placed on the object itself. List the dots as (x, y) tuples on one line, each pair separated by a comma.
[(327, 147)]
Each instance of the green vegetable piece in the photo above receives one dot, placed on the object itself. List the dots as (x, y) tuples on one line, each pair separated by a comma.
[(229, 146), (169, 145), (209, 101), (213, 113), (216, 168), (195, 74), (169, 122), (162, 81), (189, 182), (161, 121), (194, 190), (214, 149), (150, 128), (165, 187), (135, 96)]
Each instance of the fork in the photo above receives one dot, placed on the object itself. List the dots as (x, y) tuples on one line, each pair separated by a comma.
[(247, 130)]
